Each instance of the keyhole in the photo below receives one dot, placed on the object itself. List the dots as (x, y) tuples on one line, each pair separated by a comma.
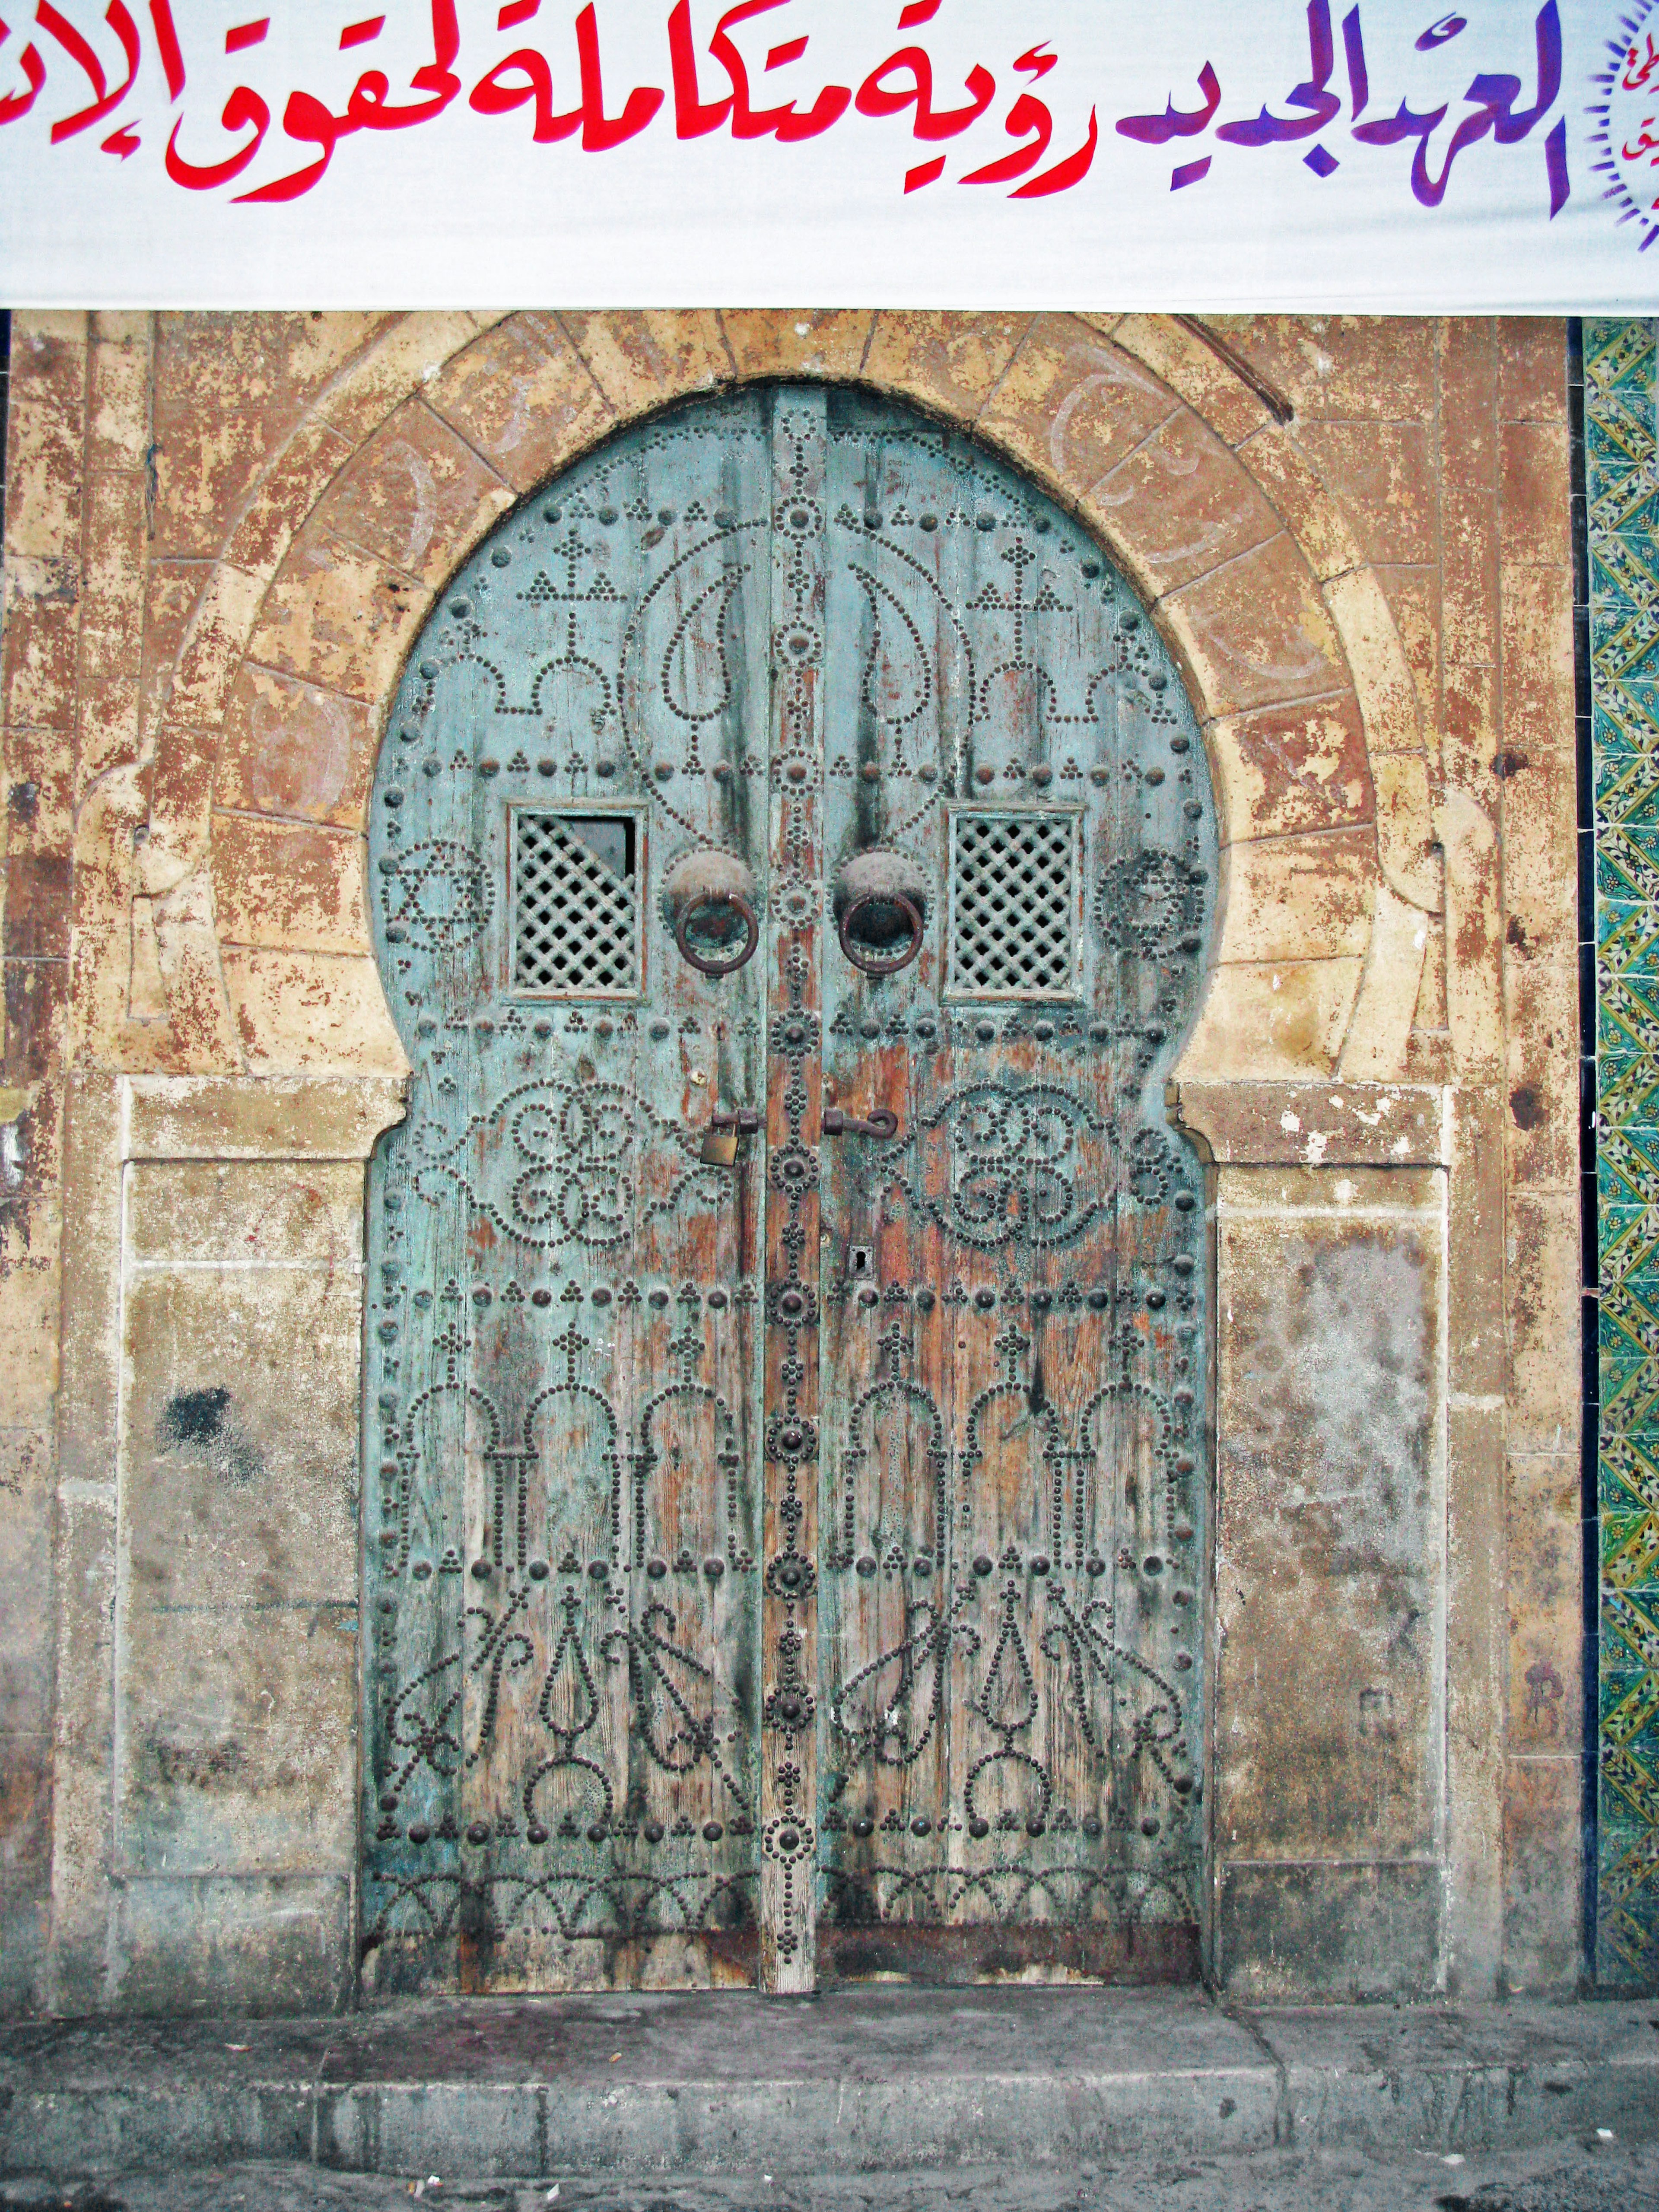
[(861, 1262)]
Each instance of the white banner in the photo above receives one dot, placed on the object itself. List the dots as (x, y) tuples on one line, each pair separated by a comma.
[(1215, 156)]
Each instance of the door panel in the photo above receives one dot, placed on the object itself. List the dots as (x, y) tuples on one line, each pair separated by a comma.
[(784, 1559), (564, 1399), (1009, 1638)]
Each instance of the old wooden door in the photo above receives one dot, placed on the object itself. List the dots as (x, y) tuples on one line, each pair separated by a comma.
[(793, 857)]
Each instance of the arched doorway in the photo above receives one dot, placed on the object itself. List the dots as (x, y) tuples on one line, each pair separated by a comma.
[(792, 859)]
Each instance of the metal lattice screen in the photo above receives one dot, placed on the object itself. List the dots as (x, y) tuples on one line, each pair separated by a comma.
[(575, 905), (1014, 904)]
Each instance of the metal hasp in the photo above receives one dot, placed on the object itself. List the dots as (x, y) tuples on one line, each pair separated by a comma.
[(796, 1573), (720, 1145), (883, 1122)]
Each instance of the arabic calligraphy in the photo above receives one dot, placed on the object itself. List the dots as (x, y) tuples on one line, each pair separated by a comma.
[(1630, 132), (563, 74), (1493, 109)]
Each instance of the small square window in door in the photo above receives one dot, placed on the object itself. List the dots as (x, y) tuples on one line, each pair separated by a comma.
[(576, 906), (1015, 919)]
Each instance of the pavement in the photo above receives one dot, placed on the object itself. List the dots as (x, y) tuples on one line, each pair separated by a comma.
[(1031, 2100)]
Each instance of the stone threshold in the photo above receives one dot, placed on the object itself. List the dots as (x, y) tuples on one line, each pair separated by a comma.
[(882, 2079)]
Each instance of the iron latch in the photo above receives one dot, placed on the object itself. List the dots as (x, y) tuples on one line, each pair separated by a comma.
[(883, 1122), (719, 1143)]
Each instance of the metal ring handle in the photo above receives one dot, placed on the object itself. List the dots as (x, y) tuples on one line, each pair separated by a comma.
[(876, 964), (751, 932)]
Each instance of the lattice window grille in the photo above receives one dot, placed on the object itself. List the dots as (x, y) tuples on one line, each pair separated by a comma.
[(1014, 905), (575, 919)]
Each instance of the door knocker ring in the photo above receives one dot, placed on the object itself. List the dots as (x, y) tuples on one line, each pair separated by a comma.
[(746, 914), (876, 963)]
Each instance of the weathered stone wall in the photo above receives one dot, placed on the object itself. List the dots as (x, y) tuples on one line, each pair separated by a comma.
[(223, 534)]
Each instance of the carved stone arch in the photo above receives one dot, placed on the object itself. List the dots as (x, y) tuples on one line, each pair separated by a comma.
[(265, 752)]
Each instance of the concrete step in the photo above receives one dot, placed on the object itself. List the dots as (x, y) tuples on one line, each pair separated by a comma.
[(875, 2079)]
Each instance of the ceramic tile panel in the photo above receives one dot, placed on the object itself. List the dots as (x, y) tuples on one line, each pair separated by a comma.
[(1622, 487)]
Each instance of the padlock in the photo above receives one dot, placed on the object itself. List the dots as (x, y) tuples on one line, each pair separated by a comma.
[(719, 1141)]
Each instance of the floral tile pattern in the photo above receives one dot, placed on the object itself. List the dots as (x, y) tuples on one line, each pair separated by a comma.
[(1621, 470)]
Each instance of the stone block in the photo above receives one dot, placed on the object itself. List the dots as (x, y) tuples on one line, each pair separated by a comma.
[(328, 1117), (1413, 598), (1544, 1538), (797, 341), (1472, 729), (1070, 405), (641, 357), (1254, 632), (1292, 480), (1272, 1021), (1376, 660), (1474, 936), (37, 1022), (1542, 1938), (231, 391), (260, 1944), (1532, 369), (948, 363), (210, 656), (1540, 1004), (405, 357), (1178, 506), (1352, 1933), (1383, 474), (1542, 1280), (289, 489), (1344, 369), (238, 1732), (294, 748), (1360, 1187), (1300, 767), (1476, 1362), (1179, 357), (110, 731), (522, 396), (1301, 1126), (1377, 1043), (113, 587), (28, 1329), (1475, 1650), (83, 1745), (106, 993), (1538, 662), (414, 495), (46, 431), (27, 1627), (36, 906), (1328, 1546), (118, 410), (1300, 897), (237, 1662), (338, 617), (204, 1035), (1469, 508), (173, 589), (90, 1389), (1533, 489), (25, 1855), (312, 1012), (246, 1214), (289, 884), (37, 676), (39, 767)]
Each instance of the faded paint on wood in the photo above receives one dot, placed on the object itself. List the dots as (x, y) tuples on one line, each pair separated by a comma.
[(790, 1567)]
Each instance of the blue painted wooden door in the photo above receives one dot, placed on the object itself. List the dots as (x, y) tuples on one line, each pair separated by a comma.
[(785, 1540)]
